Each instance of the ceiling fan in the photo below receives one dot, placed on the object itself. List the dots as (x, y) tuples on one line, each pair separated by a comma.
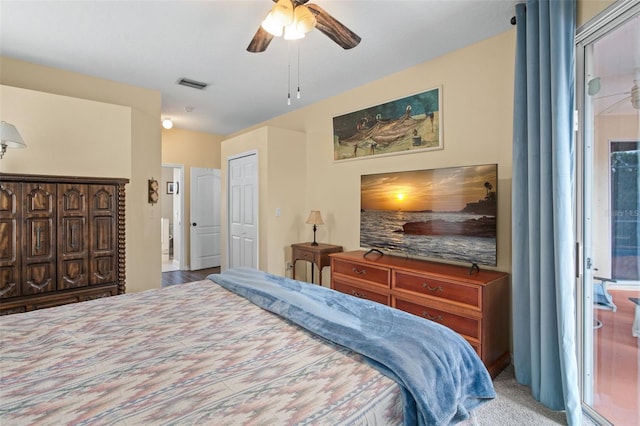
[(293, 19), (633, 95)]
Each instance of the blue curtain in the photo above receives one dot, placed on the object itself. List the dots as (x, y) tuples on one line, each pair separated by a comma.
[(543, 238)]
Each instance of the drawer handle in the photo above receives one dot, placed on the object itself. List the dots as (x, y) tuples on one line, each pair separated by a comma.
[(102, 277), (430, 288), (359, 271), (357, 294), (428, 316), (39, 286), (73, 281), (7, 289)]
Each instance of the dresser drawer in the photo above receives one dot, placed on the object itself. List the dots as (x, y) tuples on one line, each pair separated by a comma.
[(369, 273), (465, 294), (466, 326), (352, 290), (305, 255)]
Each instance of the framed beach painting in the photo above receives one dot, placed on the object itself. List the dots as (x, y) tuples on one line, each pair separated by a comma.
[(410, 124)]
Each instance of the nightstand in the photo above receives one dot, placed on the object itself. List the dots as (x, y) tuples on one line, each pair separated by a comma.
[(318, 255)]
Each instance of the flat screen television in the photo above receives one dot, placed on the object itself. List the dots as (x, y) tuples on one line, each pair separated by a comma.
[(444, 213)]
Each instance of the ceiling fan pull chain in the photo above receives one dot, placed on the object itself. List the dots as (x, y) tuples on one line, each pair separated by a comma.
[(298, 94), (288, 75)]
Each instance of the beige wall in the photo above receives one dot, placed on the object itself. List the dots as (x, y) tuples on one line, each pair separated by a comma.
[(65, 135), (132, 150), (189, 149), (477, 116), (477, 86), (287, 183), (587, 9), (282, 184)]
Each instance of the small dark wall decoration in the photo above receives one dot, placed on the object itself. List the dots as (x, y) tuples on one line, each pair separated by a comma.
[(153, 191)]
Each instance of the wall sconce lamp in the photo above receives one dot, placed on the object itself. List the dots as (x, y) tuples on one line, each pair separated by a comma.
[(314, 219), (9, 138)]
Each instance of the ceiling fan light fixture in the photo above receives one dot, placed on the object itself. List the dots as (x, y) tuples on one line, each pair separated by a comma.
[(282, 13), (303, 19), (291, 33), (271, 26)]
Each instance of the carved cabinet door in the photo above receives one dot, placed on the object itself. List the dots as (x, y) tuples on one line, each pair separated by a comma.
[(39, 268), (73, 236), (10, 234), (103, 240)]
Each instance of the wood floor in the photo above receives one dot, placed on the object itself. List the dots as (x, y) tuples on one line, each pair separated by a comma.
[(617, 362), (180, 277)]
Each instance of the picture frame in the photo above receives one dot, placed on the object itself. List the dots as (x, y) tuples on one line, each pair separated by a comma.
[(153, 191), (171, 188), (400, 126)]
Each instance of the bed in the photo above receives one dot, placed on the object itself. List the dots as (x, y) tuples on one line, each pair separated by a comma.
[(241, 348)]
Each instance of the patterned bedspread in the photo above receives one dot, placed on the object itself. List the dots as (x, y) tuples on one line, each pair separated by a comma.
[(186, 354)]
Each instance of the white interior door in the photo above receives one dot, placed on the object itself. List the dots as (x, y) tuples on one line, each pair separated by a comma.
[(205, 218), (243, 211)]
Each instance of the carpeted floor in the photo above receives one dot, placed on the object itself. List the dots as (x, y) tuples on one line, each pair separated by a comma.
[(514, 405)]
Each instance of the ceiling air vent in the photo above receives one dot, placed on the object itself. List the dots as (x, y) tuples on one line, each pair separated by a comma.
[(192, 83)]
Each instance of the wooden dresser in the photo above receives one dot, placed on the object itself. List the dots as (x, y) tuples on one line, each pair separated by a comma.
[(62, 240), (475, 305)]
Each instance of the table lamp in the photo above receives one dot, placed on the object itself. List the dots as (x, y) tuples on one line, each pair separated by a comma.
[(314, 219)]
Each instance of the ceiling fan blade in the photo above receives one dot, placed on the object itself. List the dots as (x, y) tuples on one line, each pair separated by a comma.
[(613, 94), (615, 105), (260, 41), (333, 29)]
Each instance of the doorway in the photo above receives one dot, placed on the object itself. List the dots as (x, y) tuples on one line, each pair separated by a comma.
[(608, 71), (172, 227)]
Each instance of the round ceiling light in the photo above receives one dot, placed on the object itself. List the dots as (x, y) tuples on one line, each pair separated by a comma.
[(167, 123)]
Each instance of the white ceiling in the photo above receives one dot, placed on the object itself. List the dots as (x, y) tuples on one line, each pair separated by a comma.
[(153, 43)]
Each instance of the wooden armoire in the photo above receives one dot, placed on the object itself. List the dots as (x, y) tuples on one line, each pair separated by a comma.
[(62, 240)]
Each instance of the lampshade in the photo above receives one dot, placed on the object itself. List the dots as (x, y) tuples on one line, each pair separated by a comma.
[(304, 20), (271, 26), (9, 138), (291, 33), (315, 218), (282, 13)]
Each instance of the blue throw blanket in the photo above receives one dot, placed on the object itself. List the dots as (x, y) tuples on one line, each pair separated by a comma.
[(441, 376)]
